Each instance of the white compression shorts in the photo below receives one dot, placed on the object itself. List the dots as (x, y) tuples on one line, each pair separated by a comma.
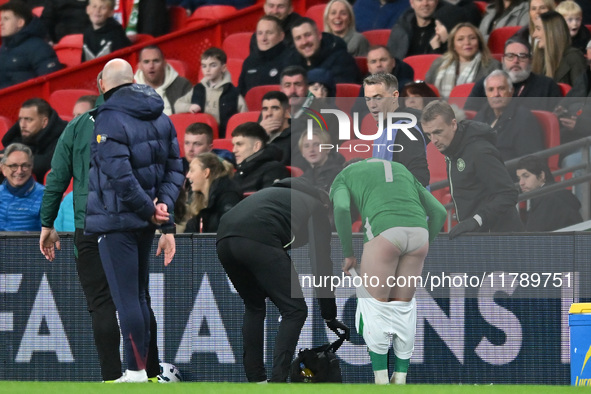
[(382, 323), (407, 239)]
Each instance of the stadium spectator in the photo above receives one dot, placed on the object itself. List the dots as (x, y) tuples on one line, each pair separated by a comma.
[(518, 131), (214, 192), (282, 10), (105, 34), (414, 29), (396, 241), (275, 119), (267, 224), (39, 127), (294, 83), (135, 164), (323, 164), (258, 164), (381, 96), (467, 60), (469, 9), (380, 60), (321, 84), (552, 211), (64, 17), (536, 8), (378, 14), (215, 94), (339, 20), (573, 15), (154, 71), (516, 62), (71, 162), (483, 191), (323, 50), (446, 18), (83, 104), (554, 56), (501, 13), (267, 58), (417, 95), (24, 54), (20, 195)]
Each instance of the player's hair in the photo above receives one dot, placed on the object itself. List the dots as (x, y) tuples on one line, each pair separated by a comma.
[(292, 71), (569, 8), (216, 53), (89, 98), (536, 166), (277, 95), (43, 107), (199, 128), (19, 9), (303, 20), (323, 136), (152, 47), (218, 168), (16, 147), (438, 108), (253, 130), (499, 73), (390, 81)]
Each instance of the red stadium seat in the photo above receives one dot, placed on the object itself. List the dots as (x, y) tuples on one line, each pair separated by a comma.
[(459, 94), (5, 125), (37, 11), (420, 64), (362, 65), (212, 12), (237, 45), (434, 89), (255, 95), (181, 121), (223, 143), (551, 129), (353, 149), (348, 89), (564, 88), (498, 37), (69, 50), (180, 66), (141, 38), (316, 13), (239, 118), (470, 114), (178, 17), (588, 27), (294, 171), (63, 100), (481, 6), (377, 37)]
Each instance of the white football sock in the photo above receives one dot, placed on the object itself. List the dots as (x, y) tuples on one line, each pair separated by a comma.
[(381, 376)]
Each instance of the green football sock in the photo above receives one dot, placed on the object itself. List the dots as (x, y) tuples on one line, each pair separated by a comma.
[(378, 361), (401, 365)]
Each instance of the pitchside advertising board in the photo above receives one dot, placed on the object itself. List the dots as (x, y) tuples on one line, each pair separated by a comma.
[(465, 334)]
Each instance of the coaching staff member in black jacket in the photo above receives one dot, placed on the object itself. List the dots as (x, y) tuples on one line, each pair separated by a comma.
[(482, 189), (252, 242)]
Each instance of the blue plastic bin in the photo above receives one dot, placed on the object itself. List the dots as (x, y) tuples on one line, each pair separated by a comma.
[(579, 320)]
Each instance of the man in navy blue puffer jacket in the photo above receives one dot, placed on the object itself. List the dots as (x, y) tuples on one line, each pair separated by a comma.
[(135, 177)]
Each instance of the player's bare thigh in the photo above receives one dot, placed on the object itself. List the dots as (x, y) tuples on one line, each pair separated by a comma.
[(379, 259)]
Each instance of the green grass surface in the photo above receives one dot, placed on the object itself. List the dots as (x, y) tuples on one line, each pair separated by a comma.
[(244, 388)]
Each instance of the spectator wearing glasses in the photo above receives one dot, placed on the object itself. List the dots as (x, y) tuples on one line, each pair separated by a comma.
[(517, 62), (20, 195)]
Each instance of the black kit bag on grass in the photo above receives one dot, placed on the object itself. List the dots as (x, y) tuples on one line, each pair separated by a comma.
[(317, 365)]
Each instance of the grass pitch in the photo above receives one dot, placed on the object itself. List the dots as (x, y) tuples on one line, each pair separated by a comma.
[(245, 388)]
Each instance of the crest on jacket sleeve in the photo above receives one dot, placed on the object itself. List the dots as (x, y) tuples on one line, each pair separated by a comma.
[(101, 138)]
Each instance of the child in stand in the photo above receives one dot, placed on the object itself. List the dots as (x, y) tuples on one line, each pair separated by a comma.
[(573, 15), (105, 35), (215, 94)]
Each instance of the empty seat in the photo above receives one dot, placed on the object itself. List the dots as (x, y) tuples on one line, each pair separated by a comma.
[(223, 143), (551, 130), (420, 64), (181, 121), (498, 37), (237, 45), (180, 66), (459, 94), (362, 65), (239, 118), (63, 100), (255, 95), (353, 149), (5, 125), (210, 12), (377, 37), (69, 50), (316, 13)]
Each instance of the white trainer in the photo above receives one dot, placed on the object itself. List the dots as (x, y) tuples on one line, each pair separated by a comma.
[(130, 376)]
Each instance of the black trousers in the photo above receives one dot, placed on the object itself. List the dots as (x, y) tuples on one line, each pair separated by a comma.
[(258, 271), (102, 310)]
